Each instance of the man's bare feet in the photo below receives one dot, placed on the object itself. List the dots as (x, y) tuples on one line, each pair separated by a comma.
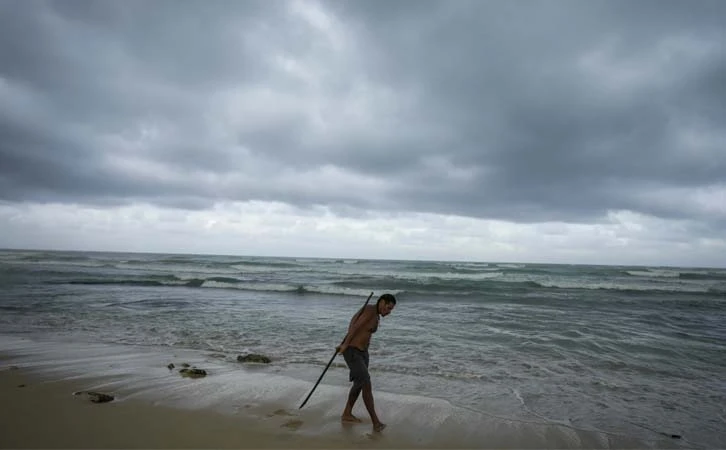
[(350, 419), (379, 427)]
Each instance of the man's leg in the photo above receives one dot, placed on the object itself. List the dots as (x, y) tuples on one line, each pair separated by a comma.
[(352, 398), (355, 363), (370, 406)]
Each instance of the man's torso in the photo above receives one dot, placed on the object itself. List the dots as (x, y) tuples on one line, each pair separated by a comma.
[(363, 338)]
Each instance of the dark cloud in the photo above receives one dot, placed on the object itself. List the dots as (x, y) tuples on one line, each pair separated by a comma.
[(557, 140), (527, 112)]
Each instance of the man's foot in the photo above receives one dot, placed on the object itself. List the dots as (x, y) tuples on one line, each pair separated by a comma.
[(349, 418), (379, 427)]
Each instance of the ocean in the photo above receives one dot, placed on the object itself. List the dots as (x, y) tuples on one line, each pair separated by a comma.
[(476, 354)]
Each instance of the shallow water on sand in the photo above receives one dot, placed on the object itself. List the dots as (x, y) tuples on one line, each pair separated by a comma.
[(272, 397)]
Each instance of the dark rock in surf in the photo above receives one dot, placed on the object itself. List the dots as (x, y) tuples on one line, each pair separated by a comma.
[(96, 397), (254, 358), (170, 366), (193, 373), (185, 365)]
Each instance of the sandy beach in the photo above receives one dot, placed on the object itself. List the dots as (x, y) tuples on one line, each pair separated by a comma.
[(46, 404), (39, 412)]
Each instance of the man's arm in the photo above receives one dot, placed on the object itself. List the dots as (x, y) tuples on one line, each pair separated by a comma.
[(364, 320)]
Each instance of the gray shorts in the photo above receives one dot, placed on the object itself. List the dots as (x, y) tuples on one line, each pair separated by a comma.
[(357, 361)]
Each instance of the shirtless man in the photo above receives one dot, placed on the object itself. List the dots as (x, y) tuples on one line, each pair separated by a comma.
[(355, 351)]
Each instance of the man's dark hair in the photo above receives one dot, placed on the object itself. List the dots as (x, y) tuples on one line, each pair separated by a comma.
[(388, 298)]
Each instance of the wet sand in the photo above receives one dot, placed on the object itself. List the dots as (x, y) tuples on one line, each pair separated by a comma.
[(38, 412)]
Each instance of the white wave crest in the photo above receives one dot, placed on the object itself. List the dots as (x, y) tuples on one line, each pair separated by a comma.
[(273, 287), (425, 277), (469, 266), (654, 273), (615, 286), (337, 290), (177, 269)]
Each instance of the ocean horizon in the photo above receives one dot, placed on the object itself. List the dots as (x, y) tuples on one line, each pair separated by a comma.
[(353, 257)]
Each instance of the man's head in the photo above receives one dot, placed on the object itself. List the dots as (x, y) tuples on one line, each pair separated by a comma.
[(385, 305)]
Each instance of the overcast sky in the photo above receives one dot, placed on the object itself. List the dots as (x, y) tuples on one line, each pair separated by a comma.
[(551, 131)]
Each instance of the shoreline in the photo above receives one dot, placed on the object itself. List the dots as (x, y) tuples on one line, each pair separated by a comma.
[(231, 407), (42, 412)]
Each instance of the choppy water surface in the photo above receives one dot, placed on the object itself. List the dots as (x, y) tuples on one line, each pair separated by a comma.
[(603, 354)]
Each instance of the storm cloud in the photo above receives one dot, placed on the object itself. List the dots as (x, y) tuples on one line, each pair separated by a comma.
[(524, 112)]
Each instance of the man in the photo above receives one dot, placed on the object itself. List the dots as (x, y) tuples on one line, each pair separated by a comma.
[(355, 351)]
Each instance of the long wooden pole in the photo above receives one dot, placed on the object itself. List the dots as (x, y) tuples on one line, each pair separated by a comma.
[(334, 355)]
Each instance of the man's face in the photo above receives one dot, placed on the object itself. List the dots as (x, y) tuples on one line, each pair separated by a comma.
[(386, 308)]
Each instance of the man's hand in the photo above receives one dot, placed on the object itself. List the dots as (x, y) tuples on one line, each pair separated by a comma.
[(341, 348)]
